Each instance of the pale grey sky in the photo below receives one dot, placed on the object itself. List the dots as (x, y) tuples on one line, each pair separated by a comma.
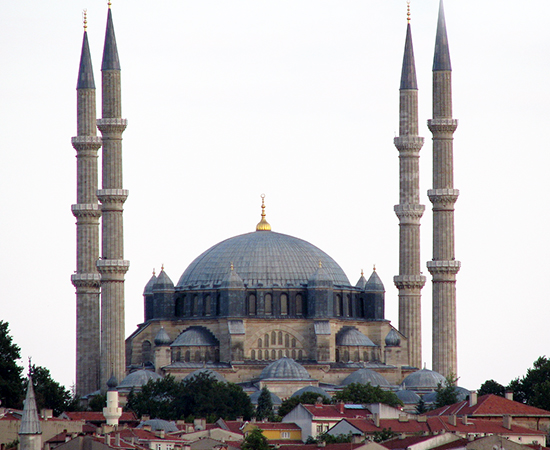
[(227, 100)]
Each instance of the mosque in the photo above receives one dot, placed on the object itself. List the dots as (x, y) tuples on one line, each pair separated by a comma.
[(262, 308)]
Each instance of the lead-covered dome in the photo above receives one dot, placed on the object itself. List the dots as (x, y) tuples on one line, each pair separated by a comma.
[(285, 368), (262, 257), (423, 379), (366, 376)]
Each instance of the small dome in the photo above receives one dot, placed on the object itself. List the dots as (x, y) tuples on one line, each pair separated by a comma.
[(461, 395), (366, 376), (212, 373), (162, 337), (137, 379), (314, 389), (112, 382), (195, 337), (163, 283), (256, 395), (351, 336), (423, 379), (149, 286), (393, 339), (159, 425), (285, 368), (408, 397), (374, 284)]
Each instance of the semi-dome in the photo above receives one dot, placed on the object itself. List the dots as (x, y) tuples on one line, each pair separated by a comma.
[(285, 368), (262, 257), (365, 376), (408, 397), (211, 373), (315, 389), (195, 337), (423, 379), (137, 379), (350, 336)]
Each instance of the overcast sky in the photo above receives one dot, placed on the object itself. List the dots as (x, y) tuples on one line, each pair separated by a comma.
[(296, 99)]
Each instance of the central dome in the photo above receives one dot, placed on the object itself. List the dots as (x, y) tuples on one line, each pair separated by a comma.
[(262, 258)]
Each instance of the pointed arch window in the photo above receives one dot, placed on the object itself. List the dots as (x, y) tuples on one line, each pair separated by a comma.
[(284, 304), (252, 305), (299, 305), (208, 305), (268, 304)]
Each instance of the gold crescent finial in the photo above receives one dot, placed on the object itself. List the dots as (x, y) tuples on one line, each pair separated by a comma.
[(232, 268), (320, 264), (162, 267), (109, 3), (85, 19), (362, 274), (263, 225), (408, 11), (374, 267)]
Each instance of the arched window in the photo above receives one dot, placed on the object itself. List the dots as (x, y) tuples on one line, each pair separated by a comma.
[(293, 342), (280, 354), (145, 352), (195, 305), (273, 355), (280, 338), (207, 356), (178, 355), (365, 356), (260, 342), (268, 304), (356, 356), (346, 355), (339, 305), (207, 305), (361, 304), (346, 306), (300, 355), (252, 305), (197, 356), (350, 306), (218, 305), (284, 304), (187, 356), (299, 305), (287, 340), (266, 340), (274, 338), (337, 355), (253, 355), (217, 355), (293, 354), (179, 306)]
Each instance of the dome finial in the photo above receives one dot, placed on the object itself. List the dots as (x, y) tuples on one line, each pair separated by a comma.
[(85, 19), (362, 274), (232, 268), (320, 264), (153, 271), (374, 267), (408, 11), (263, 225), (109, 3)]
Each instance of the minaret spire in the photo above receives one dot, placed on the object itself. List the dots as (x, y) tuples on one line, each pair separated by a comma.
[(410, 281), (86, 210), (30, 432), (112, 266), (443, 196)]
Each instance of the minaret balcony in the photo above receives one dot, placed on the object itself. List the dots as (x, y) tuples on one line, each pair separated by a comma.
[(443, 267), (112, 125), (86, 143), (86, 210), (443, 199), (409, 281), (408, 143), (443, 126), (112, 266), (409, 213), (112, 195), (85, 280)]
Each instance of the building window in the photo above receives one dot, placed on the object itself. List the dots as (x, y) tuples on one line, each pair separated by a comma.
[(259, 355), (274, 338), (266, 340), (207, 305), (293, 342), (273, 355), (285, 434), (252, 305), (158, 446), (338, 305), (218, 305), (145, 352), (300, 355), (287, 340), (179, 306), (284, 304), (195, 306), (299, 305), (187, 356), (260, 342), (293, 354), (346, 306), (253, 355), (268, 304)]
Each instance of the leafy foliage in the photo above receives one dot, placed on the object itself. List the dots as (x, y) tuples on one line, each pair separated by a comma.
[(330, 439), (255, 440), (49, 393), (264, 409), (384, 435), (366, 393), (200, 396), (446, 394), (421, 406), (12, 389), (307, 398), (534, 387), (491, 387), (97, 403)]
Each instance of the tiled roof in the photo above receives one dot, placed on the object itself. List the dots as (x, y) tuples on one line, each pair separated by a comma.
[(327, 447), (489, 405), (459, 443), (333, 411), (398, 443)]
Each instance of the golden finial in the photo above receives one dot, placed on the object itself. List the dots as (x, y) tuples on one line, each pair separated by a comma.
[(374, 267), (362, 274), (232, 268), (153, 271), (263, 225), (85, 19), (109, 3), (162, 267), (408, 11), (320, 264)]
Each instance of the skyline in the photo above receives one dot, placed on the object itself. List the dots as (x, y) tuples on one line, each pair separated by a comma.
[(300, 101)]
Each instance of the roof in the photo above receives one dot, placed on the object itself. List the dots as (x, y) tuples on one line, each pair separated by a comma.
[(85, 71), (212, 373), (285, 368), (276, 426), (314, 389), (94, 416), (490, 405), (374, 283), (423, 379), (256, 395), (352, 337), (138, 378), (162, 337), (262, 257), (366, 376), (333, 411), (195, 336), (408, 71), (110, 52), (442, 57), (29, 420), (163, 282), (149, 286), (159, 425), (392, 339)]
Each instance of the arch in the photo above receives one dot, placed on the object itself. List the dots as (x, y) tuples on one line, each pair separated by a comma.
[(356, 356), (216, 355), (266, 340), (280, 341), (260, 342), (207, 305), (178, 355), (287, 340), (284, 304), (293, 342), (346, 355), (274, 338), (293, 354), (252, 305), (337, 355), (187, 356), (339, 305), (179, 307), (253, 355), (280, 354), (273, 355), (145, 352), (300, 355), (268, 304), (259, 355), (299, 304)]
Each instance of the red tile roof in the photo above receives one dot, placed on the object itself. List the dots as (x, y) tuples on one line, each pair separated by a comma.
[(459, 443), (317, 446), (398, 443), (489, 405), (94, 416)]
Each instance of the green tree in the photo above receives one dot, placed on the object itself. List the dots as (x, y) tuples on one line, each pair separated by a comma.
[(307, 398), (49, 393), (421, 406), (331, 439), (157, 399), (97, 403), (491, 387), (255, 440), (12, 390), (367, 393), (534, 387), (264, 410), (446, 394), (384, 435)]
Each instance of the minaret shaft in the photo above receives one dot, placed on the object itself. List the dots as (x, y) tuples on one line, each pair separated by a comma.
[(443, 196), (87, 213), (410, 281)]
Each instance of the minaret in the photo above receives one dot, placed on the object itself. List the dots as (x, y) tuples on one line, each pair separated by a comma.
[(30, 433), (87, 213), (112, 266), (112, 410), (443, 266), (410, 280)]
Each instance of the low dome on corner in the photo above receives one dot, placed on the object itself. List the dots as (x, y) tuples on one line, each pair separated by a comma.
[(366, 376), (209, 372), (285, 368), (137, 379), (352, 337), (423, 379)]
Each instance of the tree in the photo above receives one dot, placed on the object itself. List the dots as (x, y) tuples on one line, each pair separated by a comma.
[(49, 393), (491, 387), (157, 399), (264, 410), (307, 398), (534, 387), (446, 394), (255, 440), (367, 393), (97, 403), (421, 406), (12, 390), (384, 435)]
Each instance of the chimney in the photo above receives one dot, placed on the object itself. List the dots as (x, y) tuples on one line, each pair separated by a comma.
[(403, 418), (509, 395), (452, 420), (473, 398), (341, 407), (507, 421), (108, 440), (145, 418), (240, 419), (356, 439), (117, 440), (161, 434), (465, 419), (376, 420), (322, 444), (46, 413), (422, 419)]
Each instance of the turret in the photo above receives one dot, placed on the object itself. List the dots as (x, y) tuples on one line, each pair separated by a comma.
[(163, 296), (443, 196), (112, 266), (162, 350), (86, 210), (30, 433), (148, 298), (375, 296), (410, 281)]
